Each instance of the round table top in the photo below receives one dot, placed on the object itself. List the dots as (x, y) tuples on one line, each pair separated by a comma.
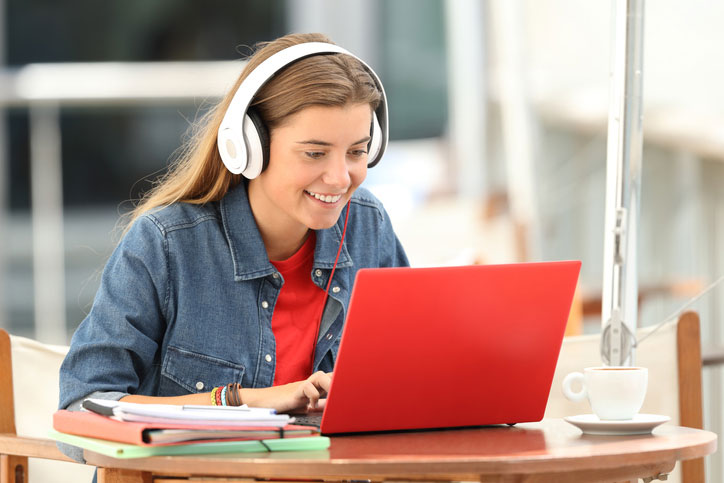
[(545, 447)]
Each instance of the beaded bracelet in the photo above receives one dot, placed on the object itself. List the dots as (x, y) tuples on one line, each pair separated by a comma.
[(223, 397), (213, 396), (218, 395)]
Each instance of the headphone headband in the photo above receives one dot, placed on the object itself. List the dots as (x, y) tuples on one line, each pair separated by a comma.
[(239, 153)]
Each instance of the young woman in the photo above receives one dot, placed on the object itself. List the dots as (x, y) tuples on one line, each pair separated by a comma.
[(233, 288)]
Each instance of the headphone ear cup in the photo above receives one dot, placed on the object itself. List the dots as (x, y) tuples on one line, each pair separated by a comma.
[(375, 143), (256, 137), (232, 149)]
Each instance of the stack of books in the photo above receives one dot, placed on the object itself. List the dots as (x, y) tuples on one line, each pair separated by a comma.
[(130, 430)]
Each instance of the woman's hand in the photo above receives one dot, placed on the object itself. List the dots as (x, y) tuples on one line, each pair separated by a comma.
[(296, 397)]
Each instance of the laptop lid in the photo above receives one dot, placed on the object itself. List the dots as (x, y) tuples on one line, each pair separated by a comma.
[(449, 346)]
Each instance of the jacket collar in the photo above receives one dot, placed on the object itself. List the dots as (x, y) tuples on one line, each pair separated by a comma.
[(247, 247)]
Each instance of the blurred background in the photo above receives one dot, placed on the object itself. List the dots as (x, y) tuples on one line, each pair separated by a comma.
[(498, 122)]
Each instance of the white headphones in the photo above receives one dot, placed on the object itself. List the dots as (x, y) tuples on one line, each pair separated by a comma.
[(243, 140)]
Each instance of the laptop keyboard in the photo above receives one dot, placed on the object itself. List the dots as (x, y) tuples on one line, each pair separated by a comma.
[(313, 419)]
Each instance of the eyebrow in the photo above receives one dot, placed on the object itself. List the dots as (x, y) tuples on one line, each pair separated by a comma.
[(325, 143)]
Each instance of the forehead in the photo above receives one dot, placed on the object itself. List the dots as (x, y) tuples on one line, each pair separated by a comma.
[(352, 119)]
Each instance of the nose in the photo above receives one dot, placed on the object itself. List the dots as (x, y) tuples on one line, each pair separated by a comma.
[(336, 173)]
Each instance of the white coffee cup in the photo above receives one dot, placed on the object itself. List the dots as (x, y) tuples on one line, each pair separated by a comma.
[(614, 392)]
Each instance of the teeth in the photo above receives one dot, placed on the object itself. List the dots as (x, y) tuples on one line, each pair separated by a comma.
[(325, 198)]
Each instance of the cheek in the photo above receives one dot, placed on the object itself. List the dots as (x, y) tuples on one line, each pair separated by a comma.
[(281, 173), (358, 173)]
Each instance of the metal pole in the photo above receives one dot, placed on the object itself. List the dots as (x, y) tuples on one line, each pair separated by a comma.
[(47, 217), (519, 137), (623, 185), (464, 31), (4, 185)]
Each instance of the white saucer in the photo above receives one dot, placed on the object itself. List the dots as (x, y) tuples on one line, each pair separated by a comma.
[(640, 424)]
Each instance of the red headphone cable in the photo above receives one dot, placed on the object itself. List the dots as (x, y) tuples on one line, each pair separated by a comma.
[(329, 282)]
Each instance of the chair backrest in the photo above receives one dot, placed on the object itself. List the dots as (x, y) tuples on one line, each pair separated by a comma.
[(29, 374), (673, 356)]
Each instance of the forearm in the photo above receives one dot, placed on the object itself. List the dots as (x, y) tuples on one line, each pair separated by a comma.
[(254, 397), (295, 397), (203, 398)]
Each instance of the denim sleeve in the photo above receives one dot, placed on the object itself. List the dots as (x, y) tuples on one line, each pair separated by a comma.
[(393, 254), (74, 452), (118, 341)]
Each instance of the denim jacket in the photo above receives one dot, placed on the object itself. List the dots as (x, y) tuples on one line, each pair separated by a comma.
[(186, 300)]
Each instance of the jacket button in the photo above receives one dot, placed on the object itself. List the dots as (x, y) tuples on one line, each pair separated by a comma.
[(265, 304), (275, 275), (267, 358), (318, 272), (199, 385), (335, 289)]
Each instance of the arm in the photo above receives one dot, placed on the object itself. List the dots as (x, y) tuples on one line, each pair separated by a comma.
[(298, 396), (392, 254), (117, 342)]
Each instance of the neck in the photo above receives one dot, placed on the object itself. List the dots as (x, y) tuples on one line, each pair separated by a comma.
[(284, 246), (282, 235)]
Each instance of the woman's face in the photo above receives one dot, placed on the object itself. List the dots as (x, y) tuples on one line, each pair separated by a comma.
[(317, 158)]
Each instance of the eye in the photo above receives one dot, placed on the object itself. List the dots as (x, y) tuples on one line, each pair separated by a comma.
[(357, 153), (314, 154)]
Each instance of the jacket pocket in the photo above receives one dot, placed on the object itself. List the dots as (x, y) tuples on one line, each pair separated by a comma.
[(196, 372)]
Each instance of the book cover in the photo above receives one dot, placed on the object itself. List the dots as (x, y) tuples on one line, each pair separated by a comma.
[(82, 423), (126, 450)]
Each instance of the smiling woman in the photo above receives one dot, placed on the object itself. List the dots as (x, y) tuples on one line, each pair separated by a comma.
[(219, 291), (310, 180)]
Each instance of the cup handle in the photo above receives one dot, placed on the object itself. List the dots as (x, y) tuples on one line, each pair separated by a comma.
[(569, 380)]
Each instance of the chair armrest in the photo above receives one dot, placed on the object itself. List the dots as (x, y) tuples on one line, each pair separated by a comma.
[(11, 444)]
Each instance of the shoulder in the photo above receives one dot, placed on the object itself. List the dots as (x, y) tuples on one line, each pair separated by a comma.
[(365, 203), (178, 216)]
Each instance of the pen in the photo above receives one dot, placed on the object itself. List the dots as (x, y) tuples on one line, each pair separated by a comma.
[(228, 408), (215, 408)]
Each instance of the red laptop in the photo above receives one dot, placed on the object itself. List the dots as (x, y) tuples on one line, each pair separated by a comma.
[(449, 346)]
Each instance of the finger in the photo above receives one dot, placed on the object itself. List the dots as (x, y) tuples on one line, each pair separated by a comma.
[(321, 403), (322, 380), (311, 393)]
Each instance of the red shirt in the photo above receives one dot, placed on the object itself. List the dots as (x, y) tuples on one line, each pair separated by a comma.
[(296, 315)]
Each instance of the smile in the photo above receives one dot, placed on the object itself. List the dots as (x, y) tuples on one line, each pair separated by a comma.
[(324, 198)]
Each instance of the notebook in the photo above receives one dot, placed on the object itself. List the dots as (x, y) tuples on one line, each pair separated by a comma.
[(449, 346), (125, 450)]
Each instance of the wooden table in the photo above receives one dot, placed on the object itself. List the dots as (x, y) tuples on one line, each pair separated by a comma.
[(548, 451)]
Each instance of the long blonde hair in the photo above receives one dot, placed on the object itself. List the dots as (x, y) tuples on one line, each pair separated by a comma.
[(198, 175)]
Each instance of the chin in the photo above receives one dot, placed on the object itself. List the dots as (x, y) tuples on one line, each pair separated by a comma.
[(323, 222), (322, 225)]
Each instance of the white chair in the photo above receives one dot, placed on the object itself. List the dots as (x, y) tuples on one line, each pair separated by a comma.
[(28, 399), (673, 357)]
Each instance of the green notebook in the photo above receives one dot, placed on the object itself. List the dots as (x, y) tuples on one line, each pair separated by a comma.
[(125, 450)]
